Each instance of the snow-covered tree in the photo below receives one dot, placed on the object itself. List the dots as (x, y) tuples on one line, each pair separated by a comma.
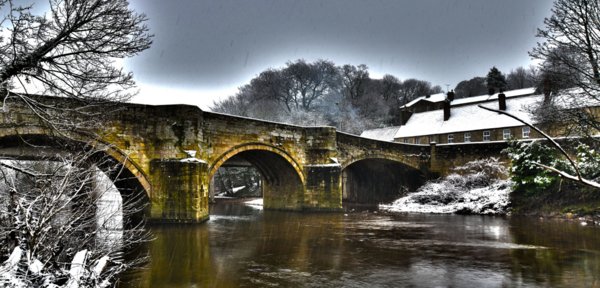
[(570, 51), (54, 229), (68, 51)]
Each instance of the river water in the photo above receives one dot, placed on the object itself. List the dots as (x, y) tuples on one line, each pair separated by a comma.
[(242, 246)]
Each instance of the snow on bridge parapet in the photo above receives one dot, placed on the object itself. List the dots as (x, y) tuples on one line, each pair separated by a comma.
[(383, 134)]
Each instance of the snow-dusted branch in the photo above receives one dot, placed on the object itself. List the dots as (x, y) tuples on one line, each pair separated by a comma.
[(578, 177), (54, 210)]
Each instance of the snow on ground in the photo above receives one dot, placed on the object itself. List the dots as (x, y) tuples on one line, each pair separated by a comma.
[(440, 198)]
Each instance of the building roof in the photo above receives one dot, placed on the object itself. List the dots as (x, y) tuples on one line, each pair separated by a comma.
[(468, 118), (382, 134), (436, 98), (484, 98)]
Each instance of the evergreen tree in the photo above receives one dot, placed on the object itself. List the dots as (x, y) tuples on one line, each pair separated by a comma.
[(495, 81)]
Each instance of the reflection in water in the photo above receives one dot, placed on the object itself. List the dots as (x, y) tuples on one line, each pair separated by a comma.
[(245, 247)]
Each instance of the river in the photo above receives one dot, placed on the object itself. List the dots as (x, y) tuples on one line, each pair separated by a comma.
[(241, 246)]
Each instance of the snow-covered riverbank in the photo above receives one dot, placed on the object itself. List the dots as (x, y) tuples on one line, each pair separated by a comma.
[(476, 188), (437, 198)]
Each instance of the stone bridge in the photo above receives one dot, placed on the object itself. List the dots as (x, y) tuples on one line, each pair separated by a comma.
[(169, 155)]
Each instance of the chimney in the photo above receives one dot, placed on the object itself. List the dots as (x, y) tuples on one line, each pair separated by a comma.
[(502, 101), (427, 96), (446, 110), (404, 116), (450, 95)]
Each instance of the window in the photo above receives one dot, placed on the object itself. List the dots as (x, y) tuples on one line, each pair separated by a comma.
[(506, 134), (486, 135), (467, 136), (450, 138), (526, 132), (405, 140), (417, 140)]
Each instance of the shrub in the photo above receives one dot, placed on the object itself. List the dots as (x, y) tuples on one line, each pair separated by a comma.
[(525, 172)]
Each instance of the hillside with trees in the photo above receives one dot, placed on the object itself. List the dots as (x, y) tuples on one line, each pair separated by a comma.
[(323, 93), (346, 97)]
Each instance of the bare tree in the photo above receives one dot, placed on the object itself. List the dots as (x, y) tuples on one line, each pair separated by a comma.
[(311, 81), (413, 88), (238, 104), (354, 80), (276, 86), (69, 52), (55, 228), (390, 87), (521, 78), (570, 53), (574, 26), (320, 93)]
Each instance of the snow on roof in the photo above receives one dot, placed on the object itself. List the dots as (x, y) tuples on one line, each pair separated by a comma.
[(382, 134), (439, 97), (468, 117), (481, 98)]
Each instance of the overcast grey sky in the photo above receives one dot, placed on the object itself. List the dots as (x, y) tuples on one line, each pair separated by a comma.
[(204, 49)]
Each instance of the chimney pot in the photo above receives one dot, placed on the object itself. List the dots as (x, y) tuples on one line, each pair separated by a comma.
[(450, 95)]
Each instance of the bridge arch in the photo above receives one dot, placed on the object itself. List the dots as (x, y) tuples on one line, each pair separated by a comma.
[(378, 155), (37, 143), (283, 179), (373, 179)]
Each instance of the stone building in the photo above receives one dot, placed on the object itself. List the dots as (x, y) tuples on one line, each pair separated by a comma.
[(429, 119)]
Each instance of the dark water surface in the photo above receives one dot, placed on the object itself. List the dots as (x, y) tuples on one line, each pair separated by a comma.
[(243, 247)]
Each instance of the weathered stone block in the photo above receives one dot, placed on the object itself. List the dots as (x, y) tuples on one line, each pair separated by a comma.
[(323, 187)]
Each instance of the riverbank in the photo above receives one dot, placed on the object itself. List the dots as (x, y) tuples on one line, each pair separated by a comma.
[(563, 200)]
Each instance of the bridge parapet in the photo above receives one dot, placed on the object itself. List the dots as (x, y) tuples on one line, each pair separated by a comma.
[(353, 148)]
